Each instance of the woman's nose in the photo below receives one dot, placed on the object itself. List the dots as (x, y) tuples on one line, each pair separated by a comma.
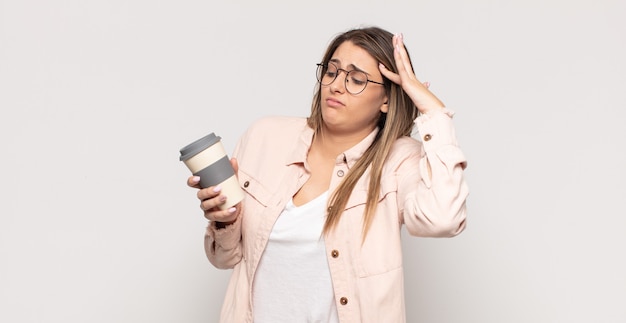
[(339, 83)]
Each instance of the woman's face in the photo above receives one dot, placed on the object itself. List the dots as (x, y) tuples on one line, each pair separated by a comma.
[(353, 114)]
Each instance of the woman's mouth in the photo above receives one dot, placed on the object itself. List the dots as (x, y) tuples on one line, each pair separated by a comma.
[(334, 103)]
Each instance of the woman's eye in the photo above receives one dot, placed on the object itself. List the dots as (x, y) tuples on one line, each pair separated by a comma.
[(358, 81)]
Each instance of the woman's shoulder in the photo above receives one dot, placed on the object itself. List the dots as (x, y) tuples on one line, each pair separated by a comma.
[(278, 129)]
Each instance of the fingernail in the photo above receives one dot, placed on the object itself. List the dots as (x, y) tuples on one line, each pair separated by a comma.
[(217, 189), (195, 179), (232, 210), (222, 198), (381, 65)]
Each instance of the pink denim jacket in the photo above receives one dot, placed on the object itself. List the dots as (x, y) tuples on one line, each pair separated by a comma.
[(367, 277)]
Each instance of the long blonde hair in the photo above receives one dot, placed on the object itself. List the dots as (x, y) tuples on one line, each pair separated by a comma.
[(397, 122)]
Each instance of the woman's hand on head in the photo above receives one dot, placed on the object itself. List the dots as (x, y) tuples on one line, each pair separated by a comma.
[(424, 100), (211, 199)]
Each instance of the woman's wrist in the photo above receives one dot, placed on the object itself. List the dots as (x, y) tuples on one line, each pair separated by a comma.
[(222, 225)]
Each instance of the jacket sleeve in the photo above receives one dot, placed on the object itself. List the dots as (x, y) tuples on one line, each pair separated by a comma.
[(223, 246), (431, 185)]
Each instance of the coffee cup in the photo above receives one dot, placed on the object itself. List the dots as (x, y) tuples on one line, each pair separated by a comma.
[(207, 159)]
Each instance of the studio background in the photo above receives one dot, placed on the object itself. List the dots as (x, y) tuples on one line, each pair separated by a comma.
[(97, 98)]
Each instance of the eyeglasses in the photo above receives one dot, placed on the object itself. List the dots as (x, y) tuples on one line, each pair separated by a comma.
[(355, 81)]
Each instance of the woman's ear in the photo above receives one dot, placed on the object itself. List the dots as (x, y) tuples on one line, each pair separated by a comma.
[(385, 106)]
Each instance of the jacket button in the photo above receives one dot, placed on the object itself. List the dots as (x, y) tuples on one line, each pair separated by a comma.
[(427, 137), (340, 173), (334, 253), (343, 301), (246, 184)]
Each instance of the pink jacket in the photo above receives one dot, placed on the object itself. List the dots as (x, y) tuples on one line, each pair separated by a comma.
[(367, 278)]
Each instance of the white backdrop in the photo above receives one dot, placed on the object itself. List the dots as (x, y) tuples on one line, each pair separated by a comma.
[(97, 97)]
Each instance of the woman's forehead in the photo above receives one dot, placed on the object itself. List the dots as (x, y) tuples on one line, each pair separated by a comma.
[(349, 55)]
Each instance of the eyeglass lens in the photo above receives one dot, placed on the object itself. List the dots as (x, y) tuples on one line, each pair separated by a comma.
[(355, 80)]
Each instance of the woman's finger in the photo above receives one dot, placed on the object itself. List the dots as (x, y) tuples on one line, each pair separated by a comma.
[(193, 181), (209, 193), (419, 92), (218, 215), (211, 203), (393, 77), (405, 70), (398, 57)]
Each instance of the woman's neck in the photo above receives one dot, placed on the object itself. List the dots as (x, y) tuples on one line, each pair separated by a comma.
[(330, 144)]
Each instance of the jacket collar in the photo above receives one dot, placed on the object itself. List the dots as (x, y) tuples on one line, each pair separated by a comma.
[(349, 157)]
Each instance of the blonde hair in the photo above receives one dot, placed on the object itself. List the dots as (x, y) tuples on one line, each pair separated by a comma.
[(397, 122)]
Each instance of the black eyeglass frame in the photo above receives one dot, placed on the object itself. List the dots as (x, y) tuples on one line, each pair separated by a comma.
[(339, 70)]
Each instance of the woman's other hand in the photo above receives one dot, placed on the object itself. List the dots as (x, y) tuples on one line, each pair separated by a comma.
[(424, 100)]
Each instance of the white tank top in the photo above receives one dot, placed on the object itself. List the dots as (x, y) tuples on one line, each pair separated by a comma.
[(292, 282)]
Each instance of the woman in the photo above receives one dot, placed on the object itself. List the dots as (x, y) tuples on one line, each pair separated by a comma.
[(317, 237)]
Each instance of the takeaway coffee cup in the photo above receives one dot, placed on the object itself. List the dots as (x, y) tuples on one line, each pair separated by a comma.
[(206, 158)]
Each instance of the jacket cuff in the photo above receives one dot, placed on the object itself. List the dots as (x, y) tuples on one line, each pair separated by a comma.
[(436, 129), (227, 237)]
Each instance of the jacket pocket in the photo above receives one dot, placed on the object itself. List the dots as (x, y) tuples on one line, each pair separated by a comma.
[(359, 194), (256, 193)]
